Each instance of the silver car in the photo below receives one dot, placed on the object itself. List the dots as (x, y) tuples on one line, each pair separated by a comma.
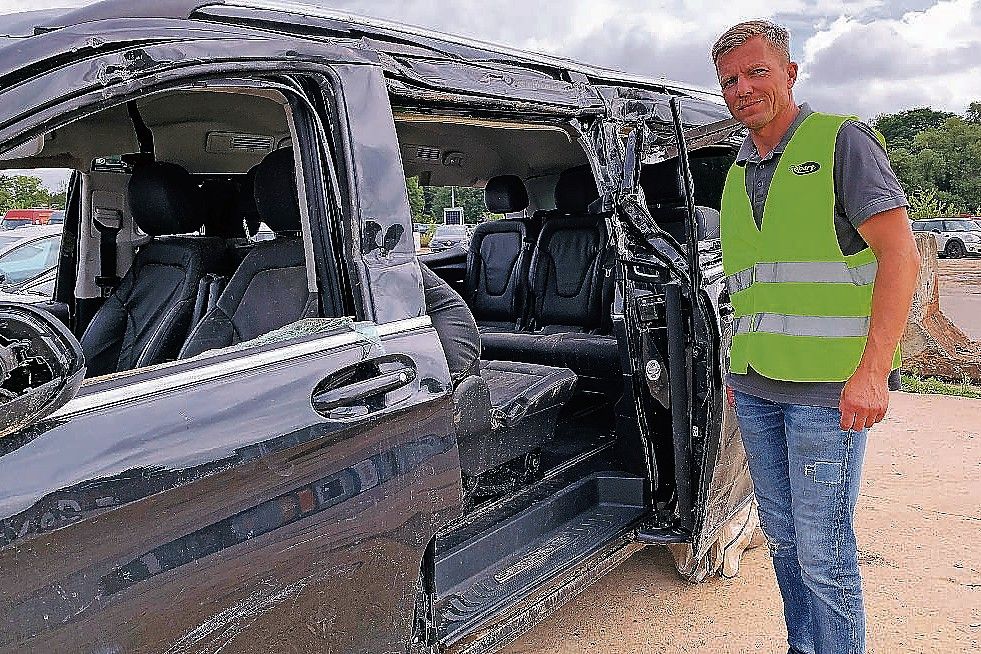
[(447, 236)]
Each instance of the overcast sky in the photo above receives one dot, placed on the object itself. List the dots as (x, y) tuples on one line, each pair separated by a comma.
[(862, 57)]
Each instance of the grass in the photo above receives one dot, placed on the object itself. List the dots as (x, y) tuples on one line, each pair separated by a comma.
[(915, 384)]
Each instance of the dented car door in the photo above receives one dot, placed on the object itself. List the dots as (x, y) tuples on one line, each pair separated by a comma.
[(277, 497), (677, 321)]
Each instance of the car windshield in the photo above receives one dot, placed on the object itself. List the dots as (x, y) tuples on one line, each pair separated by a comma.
[(29, 260), (451, 230), (963, 226)]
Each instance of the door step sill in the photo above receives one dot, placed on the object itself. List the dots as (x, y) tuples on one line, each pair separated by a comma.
[(507, 562)]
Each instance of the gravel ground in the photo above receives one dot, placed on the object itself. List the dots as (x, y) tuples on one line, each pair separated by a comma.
[(918, 524)]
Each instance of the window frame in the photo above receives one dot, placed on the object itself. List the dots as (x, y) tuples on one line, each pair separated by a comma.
[(317, 199)]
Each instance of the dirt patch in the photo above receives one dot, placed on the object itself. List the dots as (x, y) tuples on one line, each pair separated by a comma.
[(960, 294), (918, 523)]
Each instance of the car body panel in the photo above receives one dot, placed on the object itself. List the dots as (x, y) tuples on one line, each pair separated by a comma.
[(27, 253), (243, 514), (447, 236), (214, 484), (714, 484)]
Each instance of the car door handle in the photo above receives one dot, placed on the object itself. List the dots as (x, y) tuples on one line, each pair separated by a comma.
[(361, 388)]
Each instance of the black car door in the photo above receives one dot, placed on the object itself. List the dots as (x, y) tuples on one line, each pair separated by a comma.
[(711, 480), (269, 498)]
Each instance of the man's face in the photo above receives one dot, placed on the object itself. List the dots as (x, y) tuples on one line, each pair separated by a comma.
[(756, 82)]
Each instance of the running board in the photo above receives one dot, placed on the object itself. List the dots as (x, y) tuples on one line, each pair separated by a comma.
[(513, 558)]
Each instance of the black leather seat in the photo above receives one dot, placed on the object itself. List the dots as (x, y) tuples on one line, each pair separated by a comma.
[(664, 192), (504, 410), (268, 290), (571, 288), (148, 316), (495, 285), (524, 401)]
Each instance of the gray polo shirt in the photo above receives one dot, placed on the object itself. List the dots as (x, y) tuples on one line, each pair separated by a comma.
[(864, 186)]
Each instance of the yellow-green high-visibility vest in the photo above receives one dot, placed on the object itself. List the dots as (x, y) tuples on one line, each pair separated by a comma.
[(802, 307)]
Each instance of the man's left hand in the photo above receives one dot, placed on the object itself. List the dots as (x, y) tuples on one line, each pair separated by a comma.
[(864, 400)]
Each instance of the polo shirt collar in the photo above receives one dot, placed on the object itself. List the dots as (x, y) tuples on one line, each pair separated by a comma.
[(747, 151)]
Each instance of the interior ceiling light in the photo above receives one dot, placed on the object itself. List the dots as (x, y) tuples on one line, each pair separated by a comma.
[(429, 154)]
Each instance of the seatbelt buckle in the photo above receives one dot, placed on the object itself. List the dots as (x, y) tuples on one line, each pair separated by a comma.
[(107, 284)]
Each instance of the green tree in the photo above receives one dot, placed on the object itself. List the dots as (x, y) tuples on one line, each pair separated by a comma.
[(927, 203), (899, 129), (471, 199), (428, 199), (949, 159), (974, 113), (938, 165), (416, 200), (23, 192), (6, 194)]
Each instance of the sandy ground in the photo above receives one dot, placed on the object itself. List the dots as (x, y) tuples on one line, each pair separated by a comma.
[(960, 294), (918, 521)]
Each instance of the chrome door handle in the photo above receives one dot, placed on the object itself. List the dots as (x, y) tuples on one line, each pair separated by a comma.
[(362, 387)]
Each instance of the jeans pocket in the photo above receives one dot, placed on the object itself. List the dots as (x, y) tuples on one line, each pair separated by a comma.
[(825, 472)]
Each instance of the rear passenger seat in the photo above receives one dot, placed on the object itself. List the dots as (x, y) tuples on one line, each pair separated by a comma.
[(497, 262), (568, 289)]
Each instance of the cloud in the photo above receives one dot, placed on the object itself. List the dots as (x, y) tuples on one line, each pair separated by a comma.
[(857, 56), (926, 57)]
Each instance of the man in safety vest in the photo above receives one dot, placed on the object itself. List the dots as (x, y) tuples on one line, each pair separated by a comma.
[(821, 267)]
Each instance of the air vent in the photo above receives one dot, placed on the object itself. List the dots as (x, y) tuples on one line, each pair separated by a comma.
[(237, 142), (428, 154), (251, 143)]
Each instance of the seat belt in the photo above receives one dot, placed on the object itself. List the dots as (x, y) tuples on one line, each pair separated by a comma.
[(108, 222), (608, 264), (526, 298)]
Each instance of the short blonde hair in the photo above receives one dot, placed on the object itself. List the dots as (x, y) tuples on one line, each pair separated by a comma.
[(776, 35)]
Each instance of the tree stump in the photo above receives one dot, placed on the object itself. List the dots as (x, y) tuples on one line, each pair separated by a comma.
[(933, 346)]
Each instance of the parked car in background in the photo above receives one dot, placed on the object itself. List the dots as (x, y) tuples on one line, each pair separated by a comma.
[(28, 252), (956, 237), (446, 236), (16, 218), (57, 217)]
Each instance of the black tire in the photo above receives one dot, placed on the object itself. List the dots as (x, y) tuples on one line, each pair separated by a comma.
[(955, 249)]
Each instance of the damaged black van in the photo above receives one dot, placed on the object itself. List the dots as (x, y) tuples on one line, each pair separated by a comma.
[(316, 439)]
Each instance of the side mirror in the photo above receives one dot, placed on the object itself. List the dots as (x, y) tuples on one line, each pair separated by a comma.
[(41, 366)]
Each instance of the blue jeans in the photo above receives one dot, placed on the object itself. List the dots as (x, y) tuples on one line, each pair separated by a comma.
[(807, 473)]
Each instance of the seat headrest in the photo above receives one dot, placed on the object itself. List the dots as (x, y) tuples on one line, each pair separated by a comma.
[(505, 194), (247, 209), (164, 199), (662, 183), (276, 193), (220, 201), (575, 190)]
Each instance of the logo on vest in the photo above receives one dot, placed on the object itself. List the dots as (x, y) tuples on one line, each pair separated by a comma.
[(805, 168)]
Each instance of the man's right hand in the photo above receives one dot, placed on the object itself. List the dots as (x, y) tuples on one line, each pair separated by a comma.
[(731, 396)]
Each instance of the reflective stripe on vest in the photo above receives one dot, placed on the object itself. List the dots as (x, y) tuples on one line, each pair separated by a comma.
[(779, 323), (829, 272)]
